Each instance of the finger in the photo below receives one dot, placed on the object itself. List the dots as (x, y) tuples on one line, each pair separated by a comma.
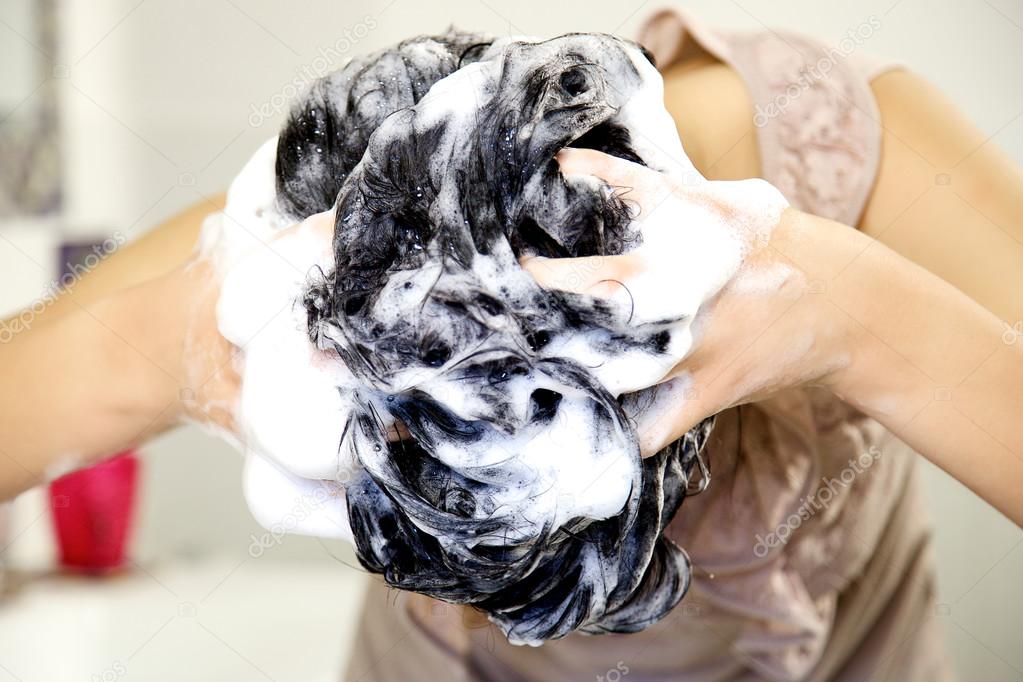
[(633, 183), (322, 223), (677, 407), (398, 432), (601, 276), (611, 169)]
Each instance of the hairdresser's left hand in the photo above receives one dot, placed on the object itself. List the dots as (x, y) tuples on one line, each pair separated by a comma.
[(811, 301), (213, 366), (732, 252)]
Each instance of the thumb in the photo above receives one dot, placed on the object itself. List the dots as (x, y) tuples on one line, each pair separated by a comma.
[(610, 169), (676, 408), (591, 275)]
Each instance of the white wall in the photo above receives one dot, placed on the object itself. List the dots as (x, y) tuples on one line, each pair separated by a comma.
[(158, 101)]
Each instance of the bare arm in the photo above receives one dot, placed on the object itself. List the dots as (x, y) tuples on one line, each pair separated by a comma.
[(838, 309), (947, 199), (926, 360), (946, 196), (100, 369), (950, 200)]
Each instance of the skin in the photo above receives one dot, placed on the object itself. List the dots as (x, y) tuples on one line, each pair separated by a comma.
[(138, 321), (951, 393), (129, 371)]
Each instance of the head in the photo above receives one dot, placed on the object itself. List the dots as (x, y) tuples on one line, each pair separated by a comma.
[(518, 487)]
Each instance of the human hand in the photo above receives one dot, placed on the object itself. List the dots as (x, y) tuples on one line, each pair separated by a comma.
[(260, 383), (236, 294), (734, 256)]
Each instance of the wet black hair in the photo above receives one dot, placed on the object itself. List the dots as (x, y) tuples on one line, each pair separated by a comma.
[(438, 191)]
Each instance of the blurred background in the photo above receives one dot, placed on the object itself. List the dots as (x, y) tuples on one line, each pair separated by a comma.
[(115, 114)]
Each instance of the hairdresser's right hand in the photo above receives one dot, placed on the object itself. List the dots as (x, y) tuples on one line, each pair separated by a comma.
[(737, 257)]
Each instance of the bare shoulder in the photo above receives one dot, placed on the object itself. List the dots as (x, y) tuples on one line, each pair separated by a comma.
[(946, 196), (714, 116), (928, 143), (923, 137)]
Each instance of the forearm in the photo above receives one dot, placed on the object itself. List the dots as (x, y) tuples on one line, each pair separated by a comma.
[(932, 365), (99, 370), (91, 381), (815, 302)]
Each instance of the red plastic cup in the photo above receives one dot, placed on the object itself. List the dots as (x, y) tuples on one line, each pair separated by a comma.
[(92, 513)]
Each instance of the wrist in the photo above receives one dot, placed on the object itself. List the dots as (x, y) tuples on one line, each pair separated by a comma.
[(822, 250), (863, 297), (207, 360)]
